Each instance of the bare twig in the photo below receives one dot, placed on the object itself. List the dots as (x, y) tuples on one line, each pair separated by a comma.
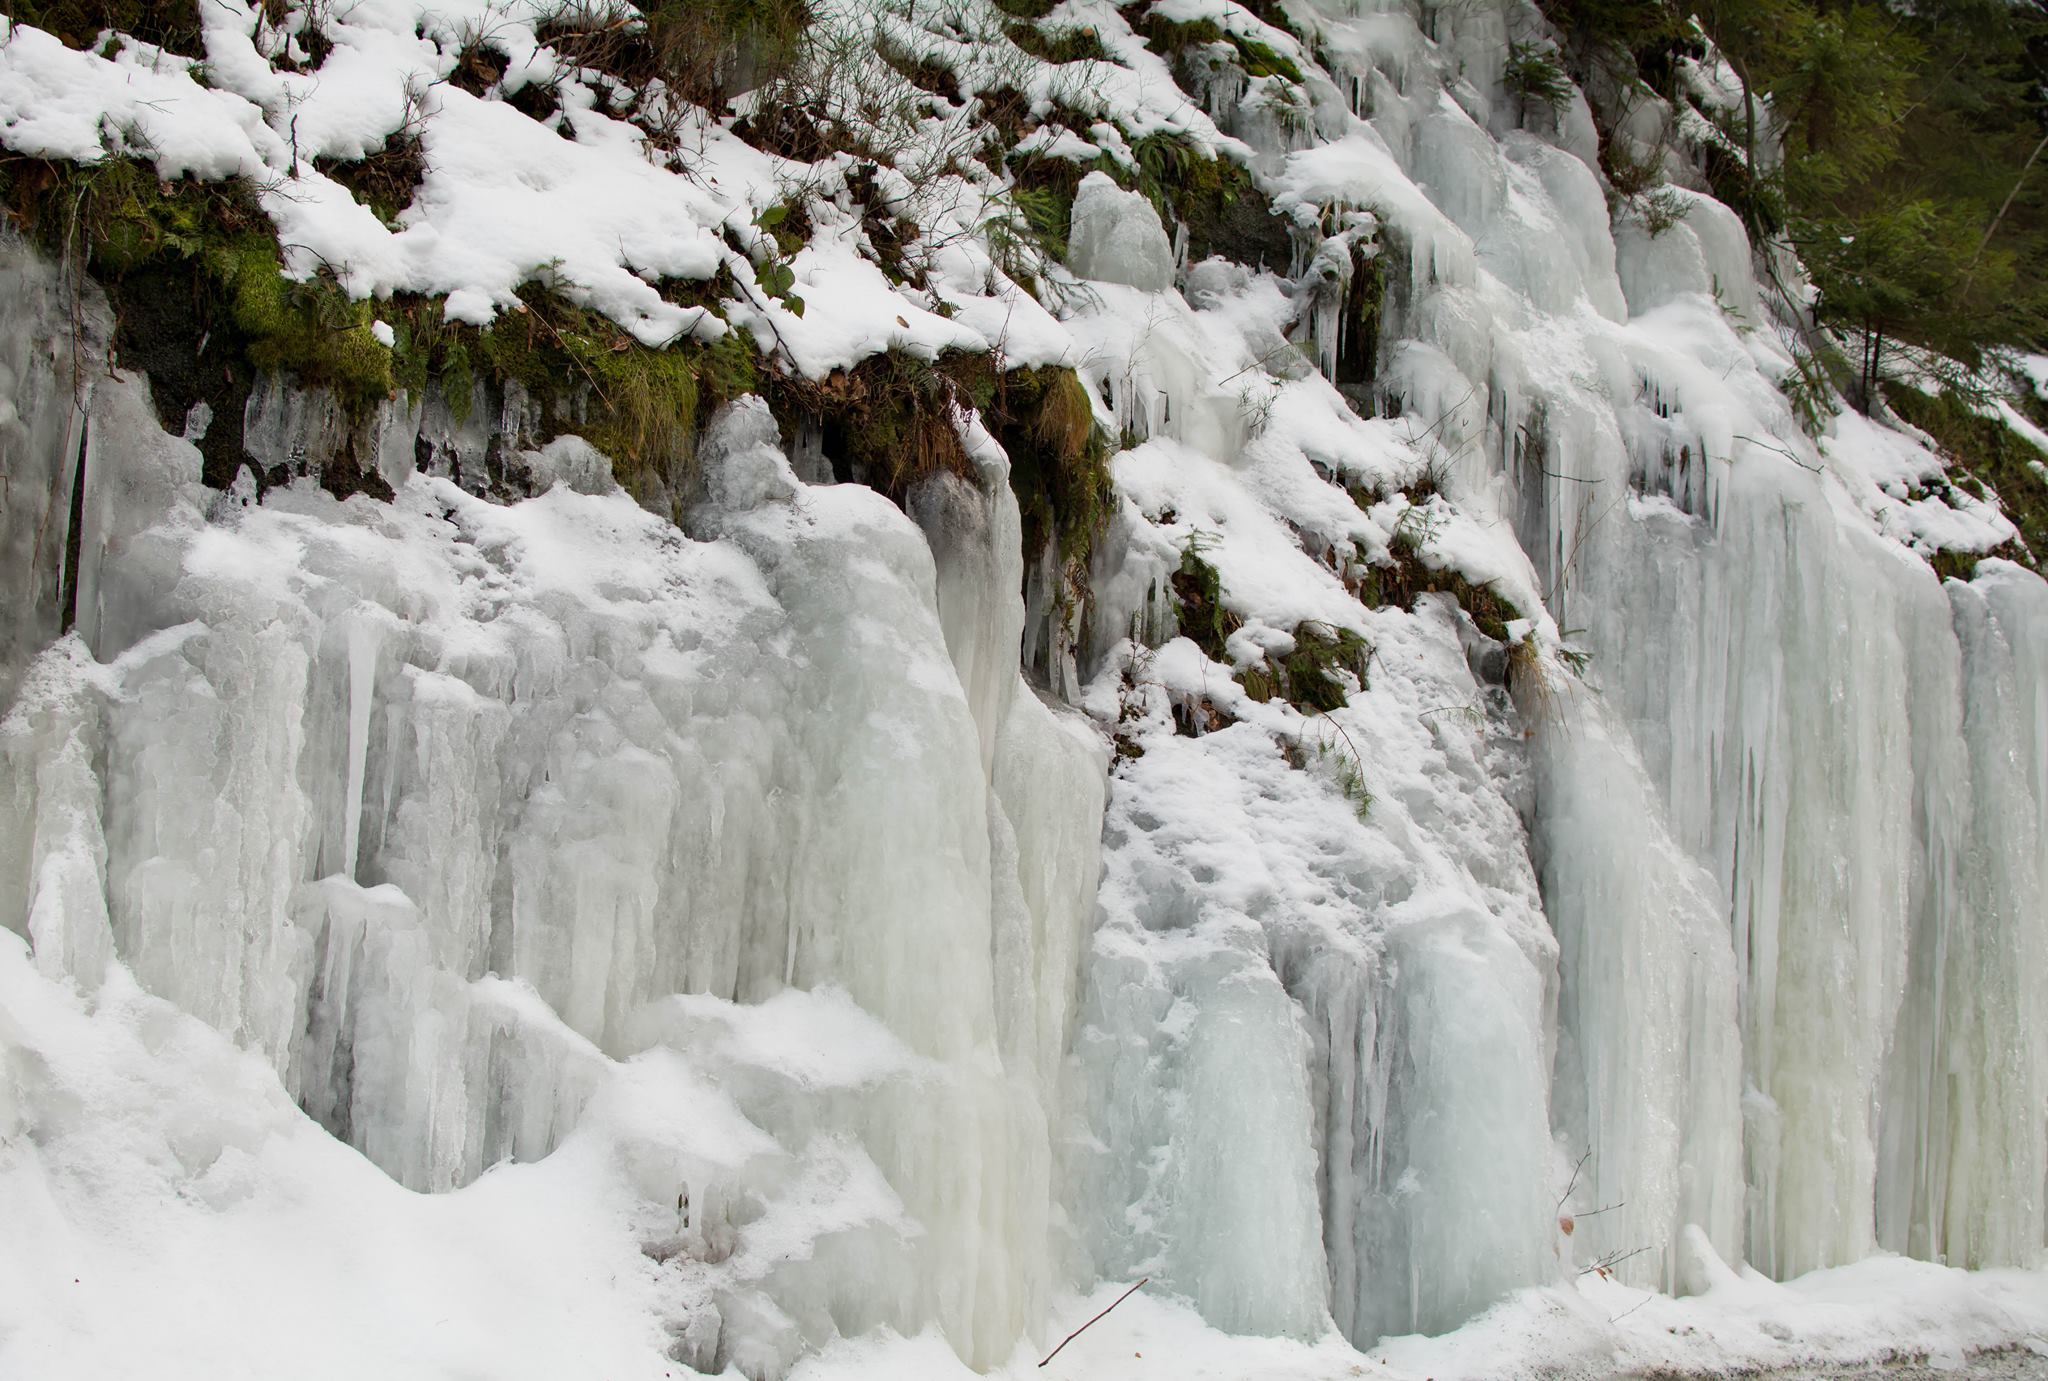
[(1557, 589), (1781, 449), (1260, 361), (1444, 417), (1606, 1264), (1092, 1322), (1573, 1183)]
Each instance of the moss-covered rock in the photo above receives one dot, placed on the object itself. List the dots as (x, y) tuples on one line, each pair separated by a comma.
[(203, 307), (1059, 459), (1406, 576), (1174, 38), (1199, 607), (201, 301), (1312, 676)]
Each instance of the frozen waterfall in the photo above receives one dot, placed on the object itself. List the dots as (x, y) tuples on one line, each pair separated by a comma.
[(707, 930)]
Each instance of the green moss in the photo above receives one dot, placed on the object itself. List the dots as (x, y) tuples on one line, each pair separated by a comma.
[(200, 297), (203, 306), (1198, 593), (1407, 576), (1059, 459), (1983, 451), (1312, 676), (1171, 39), (894, 418), (1059, 43), (1211, 196), (310, 330), (641, 406), (132, 228)]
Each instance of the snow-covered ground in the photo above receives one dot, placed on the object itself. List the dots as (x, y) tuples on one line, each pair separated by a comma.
[(458, 938)]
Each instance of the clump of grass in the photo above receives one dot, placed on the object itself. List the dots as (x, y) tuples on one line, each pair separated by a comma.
[(386, 180), (1333, 747), (680, 54), (921, 72), (480, 64), (1312, 676), (1044, 195), (1059, 44), (1537, 697), (1628, 173), (705, 51)]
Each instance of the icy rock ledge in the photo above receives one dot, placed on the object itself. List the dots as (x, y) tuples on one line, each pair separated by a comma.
[(547, 767)]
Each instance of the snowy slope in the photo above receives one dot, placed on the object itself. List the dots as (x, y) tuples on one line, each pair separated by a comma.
[(458, 936)]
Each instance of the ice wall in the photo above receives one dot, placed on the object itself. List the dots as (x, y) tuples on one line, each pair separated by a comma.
[(1307, 1035), (1961, 1169), (729, 870), (1778, 813), (450, 808)]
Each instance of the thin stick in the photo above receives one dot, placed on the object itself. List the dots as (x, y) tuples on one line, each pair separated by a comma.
[(1092, 1322), (1282, 349), (1574, 1184), (1610, 1261)]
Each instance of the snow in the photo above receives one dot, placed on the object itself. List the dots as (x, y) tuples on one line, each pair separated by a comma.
[(1852, 1317), (56, 102), (1887, 469), (453, 937), (174, 1186)]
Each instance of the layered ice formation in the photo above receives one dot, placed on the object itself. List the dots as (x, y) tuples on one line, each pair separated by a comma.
[(529, 936)]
